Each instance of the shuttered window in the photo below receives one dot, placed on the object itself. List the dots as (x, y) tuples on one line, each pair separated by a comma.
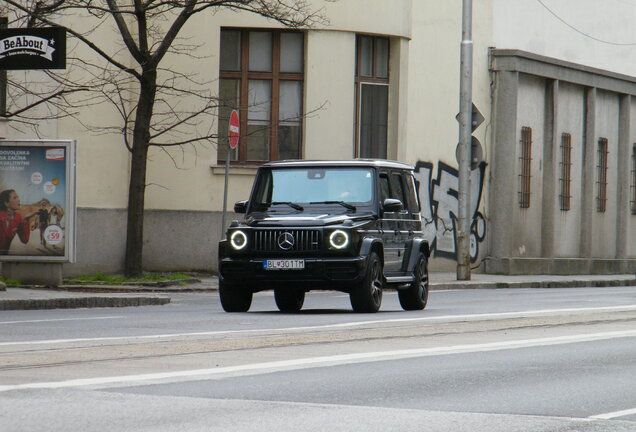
[(633, 182), (601, 181), (525, 175), (565, 178)]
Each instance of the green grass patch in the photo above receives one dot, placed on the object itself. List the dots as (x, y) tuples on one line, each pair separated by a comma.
[(10, 281), (117, 279)]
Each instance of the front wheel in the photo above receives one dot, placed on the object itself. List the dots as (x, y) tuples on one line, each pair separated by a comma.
[(288, 300), (234, 298), (416, 295), (366, 296)]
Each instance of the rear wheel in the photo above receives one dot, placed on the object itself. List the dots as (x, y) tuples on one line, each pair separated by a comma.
[(416, 295), (289, 300), (234, 298), (367, 295)]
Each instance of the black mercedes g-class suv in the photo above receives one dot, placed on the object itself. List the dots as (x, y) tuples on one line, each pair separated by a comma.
[(352, 226)]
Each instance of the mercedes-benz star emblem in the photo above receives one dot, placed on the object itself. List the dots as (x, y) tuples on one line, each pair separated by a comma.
[(286, 241)]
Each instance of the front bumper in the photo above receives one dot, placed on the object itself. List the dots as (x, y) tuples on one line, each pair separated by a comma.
[(319, 273)]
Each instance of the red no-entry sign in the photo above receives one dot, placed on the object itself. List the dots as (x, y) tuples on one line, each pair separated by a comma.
[(234, 129)]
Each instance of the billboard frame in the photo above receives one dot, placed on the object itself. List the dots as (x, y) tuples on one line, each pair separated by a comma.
[(70, 211)]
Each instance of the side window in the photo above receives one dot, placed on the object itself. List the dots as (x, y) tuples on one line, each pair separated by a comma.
[(385, 189), (411, 192), (398, 188)]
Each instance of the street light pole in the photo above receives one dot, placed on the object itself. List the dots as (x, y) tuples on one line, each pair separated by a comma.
[(465, 130), (4, 22)]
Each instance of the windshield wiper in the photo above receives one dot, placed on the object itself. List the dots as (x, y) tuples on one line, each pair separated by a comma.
[(342, 203), (291, 204)]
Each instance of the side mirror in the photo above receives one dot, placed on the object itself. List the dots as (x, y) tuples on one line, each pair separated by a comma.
[(392, 205), (240, 207)]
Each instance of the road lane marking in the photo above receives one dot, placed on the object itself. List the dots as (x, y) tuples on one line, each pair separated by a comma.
[(60, 319), (518, 314), (615, 414), (322, 361)]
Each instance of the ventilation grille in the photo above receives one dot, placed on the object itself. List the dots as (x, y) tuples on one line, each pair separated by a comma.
[(303, 240)]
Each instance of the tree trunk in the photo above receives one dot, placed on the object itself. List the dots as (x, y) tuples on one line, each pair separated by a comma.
[(137, 186)]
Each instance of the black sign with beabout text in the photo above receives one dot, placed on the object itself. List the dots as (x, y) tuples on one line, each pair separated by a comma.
[(33, 48)]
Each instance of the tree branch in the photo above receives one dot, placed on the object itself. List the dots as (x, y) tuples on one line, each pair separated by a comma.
[(125, 33), (77, 35)]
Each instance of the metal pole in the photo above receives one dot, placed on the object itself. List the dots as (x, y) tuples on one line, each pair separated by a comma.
[(227, 174), (465, 130), (4, 22)]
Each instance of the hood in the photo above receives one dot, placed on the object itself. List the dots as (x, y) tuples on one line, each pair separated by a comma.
[(264, 219)]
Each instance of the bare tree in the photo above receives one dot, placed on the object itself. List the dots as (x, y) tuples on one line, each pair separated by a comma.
[(129, 75)]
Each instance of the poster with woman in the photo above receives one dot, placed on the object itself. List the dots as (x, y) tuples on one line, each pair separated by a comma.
[(37, 200)]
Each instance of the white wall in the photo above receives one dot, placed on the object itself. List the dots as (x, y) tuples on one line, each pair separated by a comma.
[(571, 113), (527, 25), (102, 159), (631, 221), (604, 224), (329, 99), (530, 111), (329, 95)]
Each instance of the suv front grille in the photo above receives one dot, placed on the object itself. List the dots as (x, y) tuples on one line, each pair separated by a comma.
[(285, 240)]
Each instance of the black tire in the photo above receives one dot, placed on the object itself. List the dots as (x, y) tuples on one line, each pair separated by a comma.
[(416, 295), (366, 296), (234, 298), (289, 300)]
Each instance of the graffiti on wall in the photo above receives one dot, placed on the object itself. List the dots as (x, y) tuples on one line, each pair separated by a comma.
[(440, 202)]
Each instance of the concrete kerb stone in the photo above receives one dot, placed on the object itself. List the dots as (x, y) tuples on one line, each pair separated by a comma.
[(178, 285), (170, 283), (533, 284), (131, 288), (81, 302)]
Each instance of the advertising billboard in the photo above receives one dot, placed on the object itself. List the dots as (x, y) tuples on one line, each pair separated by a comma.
[(37, 200)]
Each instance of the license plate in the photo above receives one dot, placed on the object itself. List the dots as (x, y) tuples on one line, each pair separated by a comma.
[(286, 264)]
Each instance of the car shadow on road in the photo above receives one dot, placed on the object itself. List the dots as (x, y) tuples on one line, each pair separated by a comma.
[(323, 312)]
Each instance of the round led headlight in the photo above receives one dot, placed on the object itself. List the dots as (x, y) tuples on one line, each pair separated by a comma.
[(238, 240), (339, 239)]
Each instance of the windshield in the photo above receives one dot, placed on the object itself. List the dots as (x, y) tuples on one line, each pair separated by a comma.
[(315, 186)]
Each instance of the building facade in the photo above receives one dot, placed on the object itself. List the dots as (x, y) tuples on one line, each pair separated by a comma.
[(555, 192)]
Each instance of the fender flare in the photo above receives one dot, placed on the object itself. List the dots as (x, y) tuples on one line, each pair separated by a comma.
[(371, 243), (417, 246)]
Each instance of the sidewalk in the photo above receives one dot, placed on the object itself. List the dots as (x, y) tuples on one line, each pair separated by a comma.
[(87, 296)]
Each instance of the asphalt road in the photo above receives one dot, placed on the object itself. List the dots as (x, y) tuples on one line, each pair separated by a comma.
[(474, 360)]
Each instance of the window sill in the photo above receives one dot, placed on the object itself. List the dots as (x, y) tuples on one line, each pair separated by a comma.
[(234, 170)]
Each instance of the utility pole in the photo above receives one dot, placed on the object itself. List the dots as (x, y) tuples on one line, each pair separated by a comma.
[(465, 130), (4, 22)]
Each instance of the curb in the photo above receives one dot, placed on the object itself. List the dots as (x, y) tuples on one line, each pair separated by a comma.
[(81, 302), (130, 289), (535, 284), (161, 284), (113, 301)]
